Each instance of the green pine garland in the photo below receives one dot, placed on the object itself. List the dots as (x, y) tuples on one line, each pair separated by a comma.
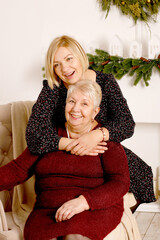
[(143, 10), (141, 68), (118, 66)]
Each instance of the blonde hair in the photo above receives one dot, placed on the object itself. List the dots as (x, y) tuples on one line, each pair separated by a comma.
[(73, 46), (88, 88)]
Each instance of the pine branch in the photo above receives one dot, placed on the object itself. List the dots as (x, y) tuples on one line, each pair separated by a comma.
[(144, 10), (119, 67)]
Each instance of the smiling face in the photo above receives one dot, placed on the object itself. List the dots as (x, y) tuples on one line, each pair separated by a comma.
[(80, 111), (67, 67)]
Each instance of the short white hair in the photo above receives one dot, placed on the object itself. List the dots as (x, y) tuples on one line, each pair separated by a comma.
[(88, 88)]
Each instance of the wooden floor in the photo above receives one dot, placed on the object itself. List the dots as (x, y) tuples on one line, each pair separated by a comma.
[(149, 225)]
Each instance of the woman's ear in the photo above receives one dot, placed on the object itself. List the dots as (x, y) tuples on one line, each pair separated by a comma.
[(95, 112)]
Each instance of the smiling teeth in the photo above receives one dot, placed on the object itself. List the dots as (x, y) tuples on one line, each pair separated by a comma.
[(67, 75), (75, 116)]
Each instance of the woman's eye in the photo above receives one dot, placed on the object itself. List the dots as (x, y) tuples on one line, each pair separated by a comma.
[(85, 104), (56, 65), (71, 101), (69, 58)]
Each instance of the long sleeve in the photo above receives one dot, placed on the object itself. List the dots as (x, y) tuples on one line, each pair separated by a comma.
[(117, 182), (41, 135), (18, 170), (49, 109), (114, 114)]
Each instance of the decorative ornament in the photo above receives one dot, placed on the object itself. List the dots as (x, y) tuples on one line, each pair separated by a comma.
[(115, 46), (153, 46), (135, 50), (143, 10), (118, 66)]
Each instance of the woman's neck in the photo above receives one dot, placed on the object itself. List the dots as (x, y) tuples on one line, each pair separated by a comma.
[(75, 133), (88, 74)]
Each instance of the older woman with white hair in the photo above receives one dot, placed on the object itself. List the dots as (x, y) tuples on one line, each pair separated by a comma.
[(78, 197)]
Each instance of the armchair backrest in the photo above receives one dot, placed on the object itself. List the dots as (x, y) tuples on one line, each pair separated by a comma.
[(6, 148), (13, 120)]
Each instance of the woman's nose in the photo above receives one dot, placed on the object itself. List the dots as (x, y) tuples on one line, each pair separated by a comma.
[(76, 107), (64, 67)]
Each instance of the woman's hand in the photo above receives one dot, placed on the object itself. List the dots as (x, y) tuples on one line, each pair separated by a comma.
[(88, 144), (70, 208)]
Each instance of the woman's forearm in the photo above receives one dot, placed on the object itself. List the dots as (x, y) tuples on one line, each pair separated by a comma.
[(91, 143), (114, 114), (63, 142), (18, 170), (116, 175)]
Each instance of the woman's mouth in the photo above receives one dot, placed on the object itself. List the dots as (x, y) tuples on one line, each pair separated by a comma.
[(69, 75), (76, 116)]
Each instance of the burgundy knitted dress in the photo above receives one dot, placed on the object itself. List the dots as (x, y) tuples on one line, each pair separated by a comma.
[(60, 176)]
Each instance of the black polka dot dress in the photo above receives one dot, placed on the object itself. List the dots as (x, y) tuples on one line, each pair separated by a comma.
[(48, 114)]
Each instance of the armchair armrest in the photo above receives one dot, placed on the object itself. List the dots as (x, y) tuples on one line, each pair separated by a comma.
[(3, 220)]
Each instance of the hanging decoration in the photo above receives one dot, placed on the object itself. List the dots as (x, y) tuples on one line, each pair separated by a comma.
[(143, 10), (141, 68)]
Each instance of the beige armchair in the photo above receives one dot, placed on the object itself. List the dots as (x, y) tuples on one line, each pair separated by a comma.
[(19, 201), (16, 204)]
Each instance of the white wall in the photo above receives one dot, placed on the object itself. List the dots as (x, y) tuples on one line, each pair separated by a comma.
[(26, 30)]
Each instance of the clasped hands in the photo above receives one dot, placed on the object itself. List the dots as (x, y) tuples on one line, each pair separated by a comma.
[(87, 144)]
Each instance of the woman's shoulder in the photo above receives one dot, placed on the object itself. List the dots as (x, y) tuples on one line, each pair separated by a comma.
[(104, 77), (45, 83), (48, 95), (97, 75), (108, 83), (56, 91), (47, 87)]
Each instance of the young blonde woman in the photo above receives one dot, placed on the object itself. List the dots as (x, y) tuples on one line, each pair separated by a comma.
[(67, 63)]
